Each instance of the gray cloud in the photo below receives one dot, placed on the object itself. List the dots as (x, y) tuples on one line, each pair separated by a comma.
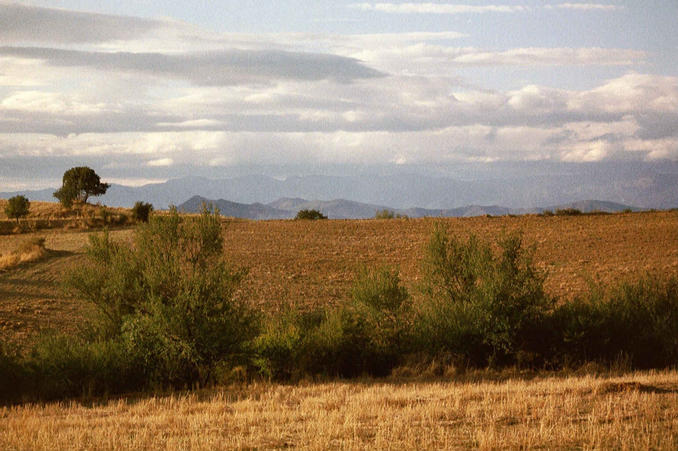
[(23, 23), (217, 68)]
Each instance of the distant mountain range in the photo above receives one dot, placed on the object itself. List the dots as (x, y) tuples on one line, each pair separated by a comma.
[(522, 188), (286, 208)]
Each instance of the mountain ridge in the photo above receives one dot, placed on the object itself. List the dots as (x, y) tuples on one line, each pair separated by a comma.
[(641, 186), (346, 209)]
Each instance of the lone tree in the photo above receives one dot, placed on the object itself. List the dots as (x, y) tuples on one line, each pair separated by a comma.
[(17, 207), (78, 184)]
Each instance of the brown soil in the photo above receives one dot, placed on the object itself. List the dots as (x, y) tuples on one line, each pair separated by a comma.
[(315, 262)]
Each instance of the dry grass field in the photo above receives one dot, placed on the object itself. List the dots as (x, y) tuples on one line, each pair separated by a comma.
[(315, 262), (637, 411)]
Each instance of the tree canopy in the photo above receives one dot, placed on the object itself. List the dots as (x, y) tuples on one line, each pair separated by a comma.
[(78, 184), (17, 207), (310, 214)]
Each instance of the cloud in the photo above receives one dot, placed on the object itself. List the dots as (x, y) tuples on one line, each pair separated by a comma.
[(225, 99), (25, 23), (585, 6), (217, 68), (435, 8), (550, 57), (431, 59), (160, 162)]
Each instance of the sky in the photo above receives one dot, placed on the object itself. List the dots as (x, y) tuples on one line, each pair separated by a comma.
[(147, 90)]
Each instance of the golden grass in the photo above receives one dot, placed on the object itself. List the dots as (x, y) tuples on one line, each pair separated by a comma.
[(30, 250), (638, 411), (51, 215)]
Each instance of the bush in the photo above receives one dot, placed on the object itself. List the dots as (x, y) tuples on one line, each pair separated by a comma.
[(481, 307), (366, 336), (310, 214), (169, 299), (636, 321), (384, 305), (141, 211)]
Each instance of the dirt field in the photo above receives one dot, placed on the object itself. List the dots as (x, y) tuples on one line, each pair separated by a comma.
[(637, 411), (314, 262)]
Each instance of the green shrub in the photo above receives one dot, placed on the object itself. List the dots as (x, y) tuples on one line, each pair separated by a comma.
[(480, 307), (141, 211), (169, 299), (62, 366), (637, 321), (310, 214), (366, 336), (383, 303)]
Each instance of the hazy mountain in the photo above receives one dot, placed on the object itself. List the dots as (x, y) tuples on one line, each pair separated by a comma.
[(286, 208), (235, 209), (519, 186)]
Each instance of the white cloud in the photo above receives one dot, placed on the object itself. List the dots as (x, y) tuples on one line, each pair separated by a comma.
[(435, 8), (632, 93), (134, 181), (47, 102), (550, 57), (585, 6), (160, 162)]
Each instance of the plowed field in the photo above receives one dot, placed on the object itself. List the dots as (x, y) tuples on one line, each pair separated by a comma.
[(314, 262)]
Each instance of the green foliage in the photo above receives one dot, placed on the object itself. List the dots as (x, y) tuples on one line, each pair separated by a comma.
[(366, 336), (310, 214), (637, 321), (61, 366), (383, 304), (17, 207), (78, 184), (141, 211), (481, 307), (169, 299)]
